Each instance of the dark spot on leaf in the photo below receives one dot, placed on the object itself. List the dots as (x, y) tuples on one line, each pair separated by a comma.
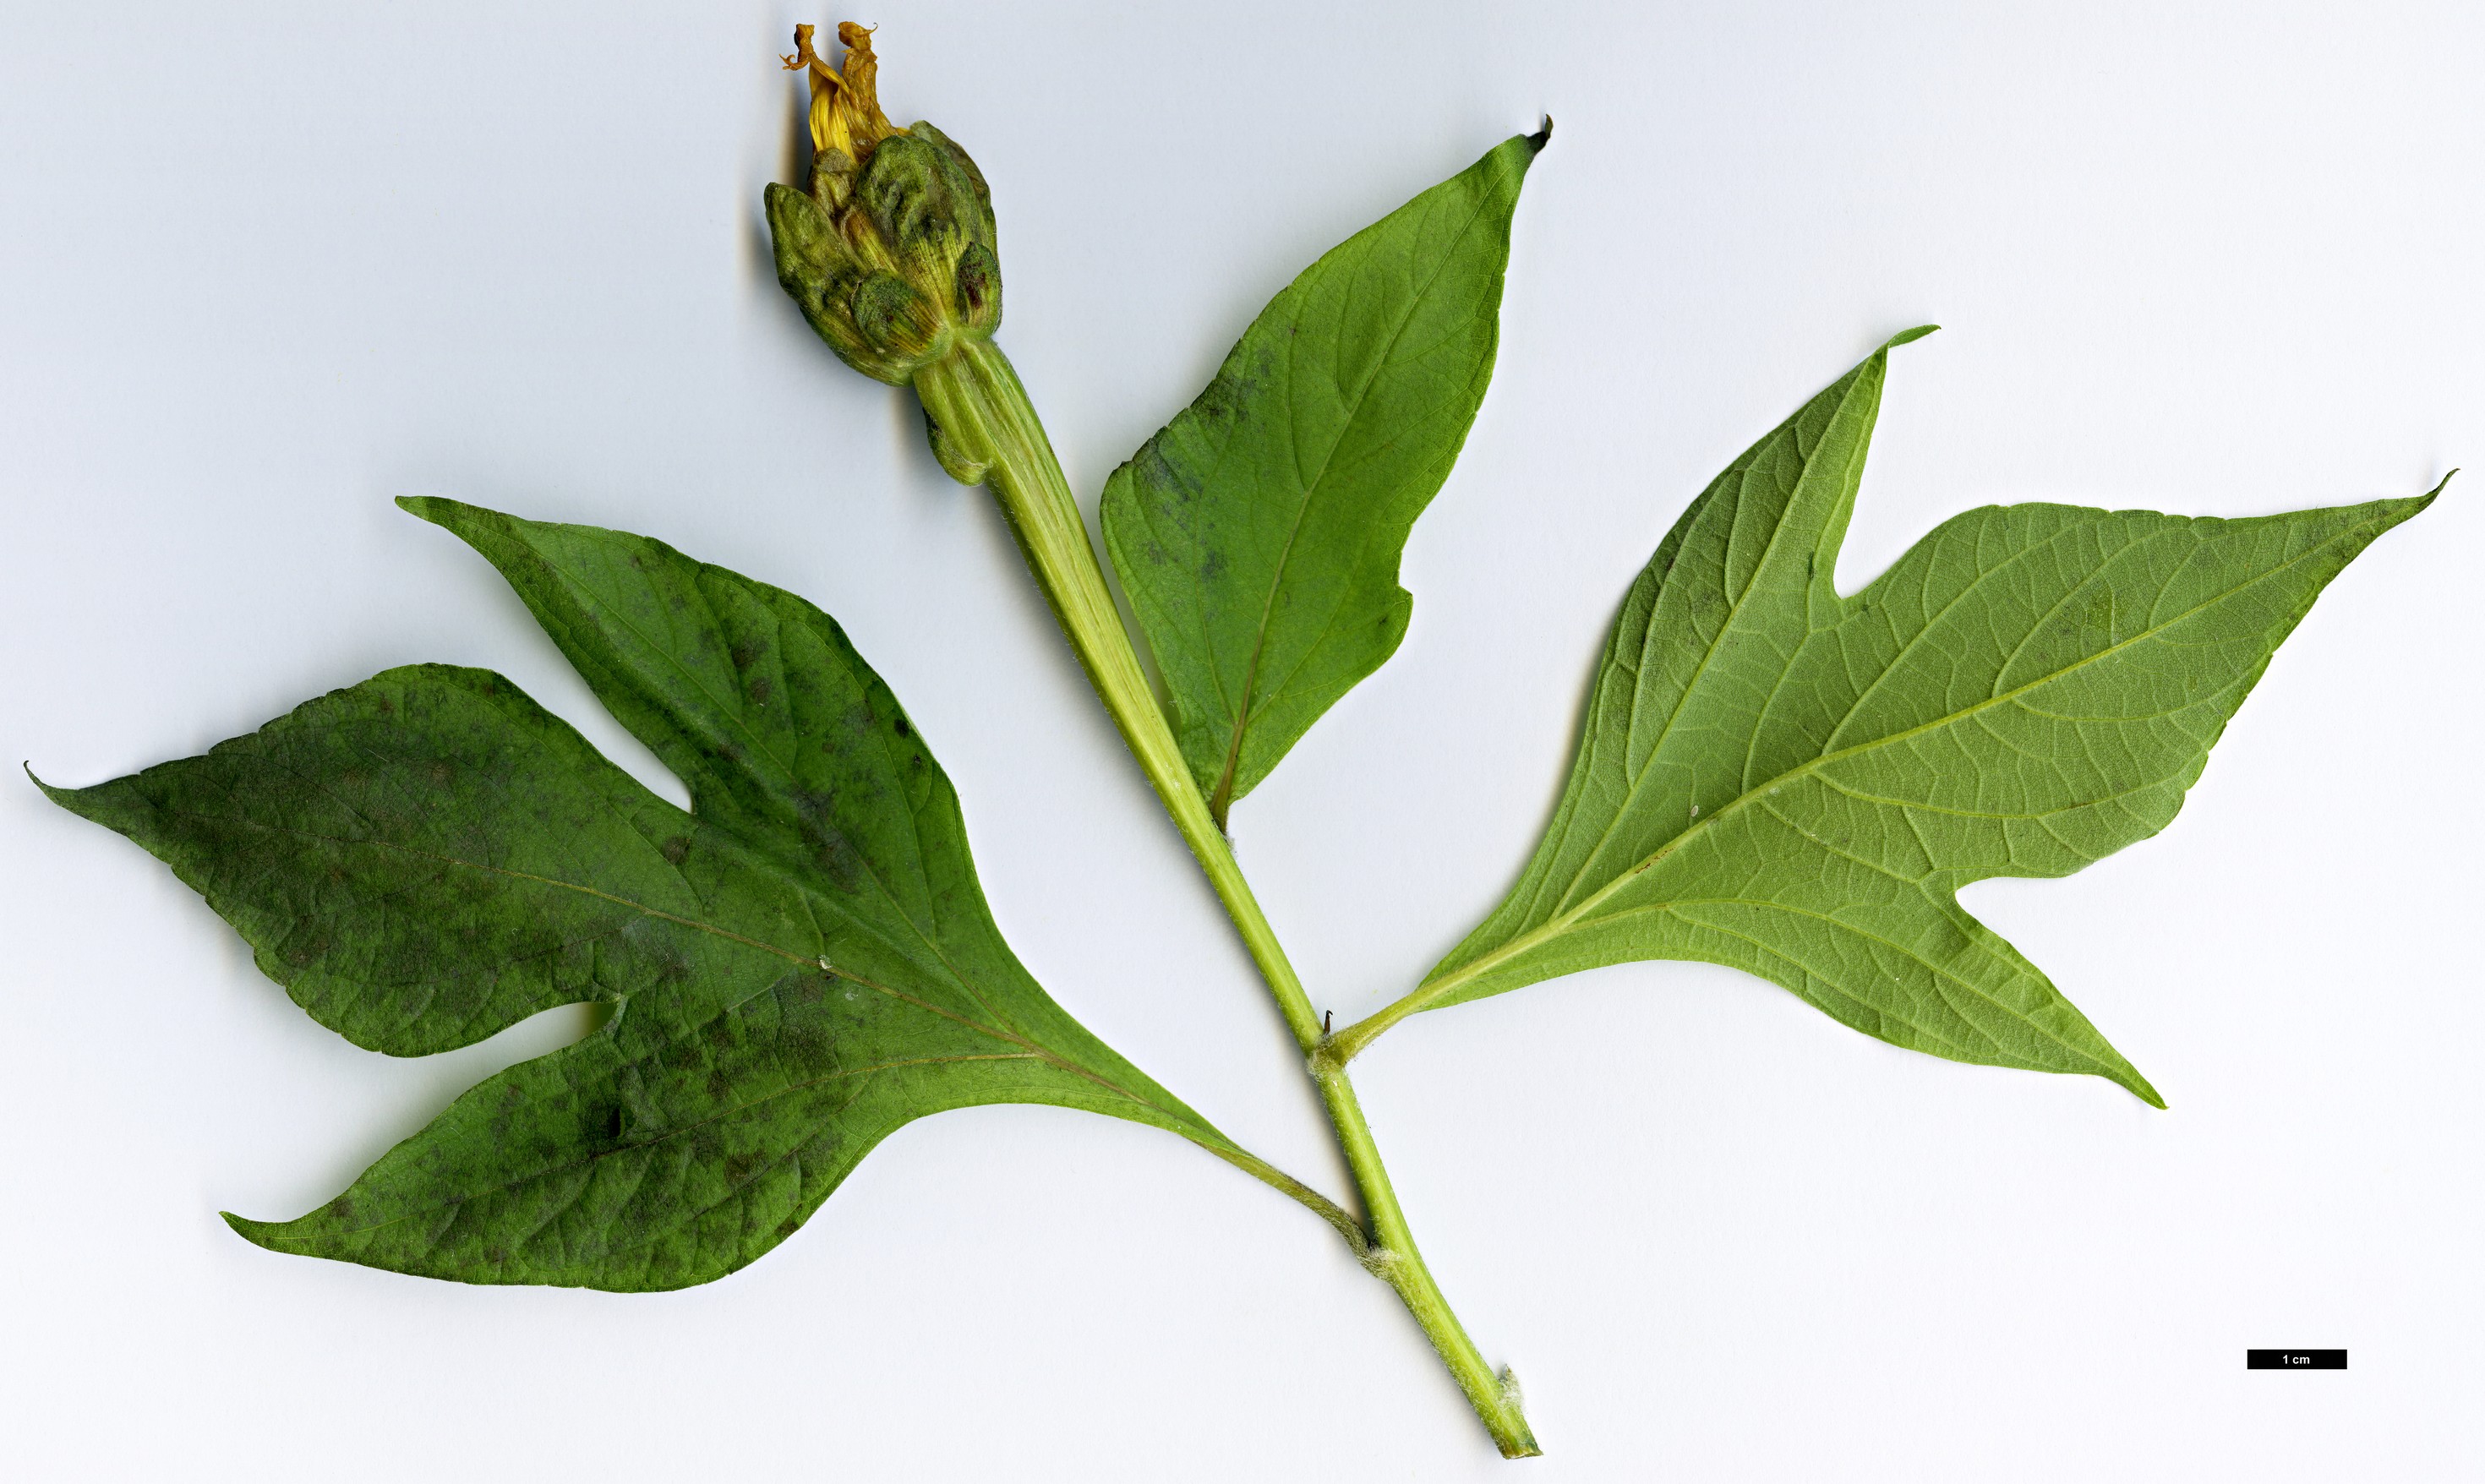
[(676, 849), (761, 689), (838, 860), (809, 1043), (1155, 470)]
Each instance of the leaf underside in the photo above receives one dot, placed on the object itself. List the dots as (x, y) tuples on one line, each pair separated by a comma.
[(1797, 784), (1258, 533), (799, 965)]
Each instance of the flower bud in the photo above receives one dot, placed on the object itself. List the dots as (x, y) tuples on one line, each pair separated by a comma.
[(892, 254)]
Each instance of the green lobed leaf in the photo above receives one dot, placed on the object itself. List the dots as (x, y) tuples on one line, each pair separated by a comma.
[(1258, 533), (1797, 784), (799, 966)]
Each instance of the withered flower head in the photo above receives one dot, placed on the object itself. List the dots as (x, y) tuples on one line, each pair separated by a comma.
[(846, 121), (892, 254)]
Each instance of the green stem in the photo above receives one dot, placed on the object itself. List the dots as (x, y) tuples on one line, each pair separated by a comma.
[(986, 431), (1391, 1256)]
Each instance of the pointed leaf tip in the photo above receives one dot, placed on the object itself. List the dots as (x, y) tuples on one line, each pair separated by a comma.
[(1543, 136), (1908, 337), (427, 507), (271, 1236)]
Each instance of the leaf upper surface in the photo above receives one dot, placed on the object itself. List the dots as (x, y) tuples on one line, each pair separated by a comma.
[(1258, 533), (1797, 784), (800, 965)]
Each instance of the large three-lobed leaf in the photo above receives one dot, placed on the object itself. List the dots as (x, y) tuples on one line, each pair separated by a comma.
[(798, 966), (1258, 533), (1793, 783)]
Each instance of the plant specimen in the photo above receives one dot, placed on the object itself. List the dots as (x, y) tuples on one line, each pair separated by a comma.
[(1770, 776)]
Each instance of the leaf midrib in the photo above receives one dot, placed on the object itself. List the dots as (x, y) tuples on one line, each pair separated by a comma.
[(812, 961), (1433, 989), (1761, 569), (1221, 797), (677, 1130), (1936, 969)]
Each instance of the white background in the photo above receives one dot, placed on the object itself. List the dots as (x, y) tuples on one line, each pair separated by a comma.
[(264, 268)]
